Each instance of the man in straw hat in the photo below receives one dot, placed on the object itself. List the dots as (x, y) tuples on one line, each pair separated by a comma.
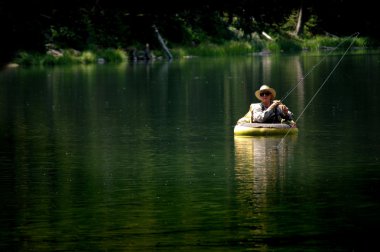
[(268, 110)]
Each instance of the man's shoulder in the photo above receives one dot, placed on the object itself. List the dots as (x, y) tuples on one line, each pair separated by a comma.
[(256, 105)]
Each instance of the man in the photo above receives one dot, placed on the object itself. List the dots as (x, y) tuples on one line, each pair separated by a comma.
[(268, 110)]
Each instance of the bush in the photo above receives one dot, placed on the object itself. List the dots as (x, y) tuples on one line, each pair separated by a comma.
[(112, 55), (28, 59), (88, 57)]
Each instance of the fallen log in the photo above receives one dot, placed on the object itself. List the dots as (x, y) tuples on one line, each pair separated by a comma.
[(162, 42)]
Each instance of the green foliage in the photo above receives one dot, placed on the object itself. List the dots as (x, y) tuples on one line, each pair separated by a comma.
[(28, 59), (258, 45), (206, 49), (71, 57), (88, 57), (48, 60), (231, 48), (194, 36), (237, 48), (90, 25), (186, 30), (310, 26), (63, 36), (228, 48), (327, 43), (191, 28), (112, 55), (238, 33), (288, 45), (180, 52), (67, 59), (371, 43), (290, 22), (273, 47)]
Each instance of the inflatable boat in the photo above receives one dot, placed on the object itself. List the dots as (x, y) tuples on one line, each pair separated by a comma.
[(264, 129)]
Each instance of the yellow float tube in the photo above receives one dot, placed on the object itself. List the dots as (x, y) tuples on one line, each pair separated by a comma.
[(264, 129)]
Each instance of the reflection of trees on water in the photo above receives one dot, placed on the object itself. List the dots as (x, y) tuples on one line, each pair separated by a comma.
[(260, 174), (300, 85)]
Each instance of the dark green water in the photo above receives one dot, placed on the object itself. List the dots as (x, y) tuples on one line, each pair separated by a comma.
[(142, 157)]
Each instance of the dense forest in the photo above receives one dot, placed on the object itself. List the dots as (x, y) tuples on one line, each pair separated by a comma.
[(30, 25)]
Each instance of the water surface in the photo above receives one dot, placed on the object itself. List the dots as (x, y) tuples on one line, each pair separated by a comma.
[(141, 157)]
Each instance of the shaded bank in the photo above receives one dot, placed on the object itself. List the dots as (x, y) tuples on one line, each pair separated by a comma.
[(232, 48)]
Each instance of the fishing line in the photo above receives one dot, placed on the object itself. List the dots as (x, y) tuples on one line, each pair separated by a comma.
[(319, 89)]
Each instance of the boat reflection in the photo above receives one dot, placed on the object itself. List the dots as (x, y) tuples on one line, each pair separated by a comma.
[(262, 152), (260, 173)]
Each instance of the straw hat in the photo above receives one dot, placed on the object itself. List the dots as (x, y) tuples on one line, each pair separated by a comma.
[(265, 88)]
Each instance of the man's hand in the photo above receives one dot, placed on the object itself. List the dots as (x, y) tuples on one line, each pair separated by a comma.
[(283, 108), (274, 104)]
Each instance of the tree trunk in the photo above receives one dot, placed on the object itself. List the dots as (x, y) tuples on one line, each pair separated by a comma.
[(162, 42), (299, 25)]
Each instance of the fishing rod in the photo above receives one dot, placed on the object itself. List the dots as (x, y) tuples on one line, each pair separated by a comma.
[(323, 83)]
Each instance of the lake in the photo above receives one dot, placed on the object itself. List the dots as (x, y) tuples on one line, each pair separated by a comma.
[(142, 156)]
